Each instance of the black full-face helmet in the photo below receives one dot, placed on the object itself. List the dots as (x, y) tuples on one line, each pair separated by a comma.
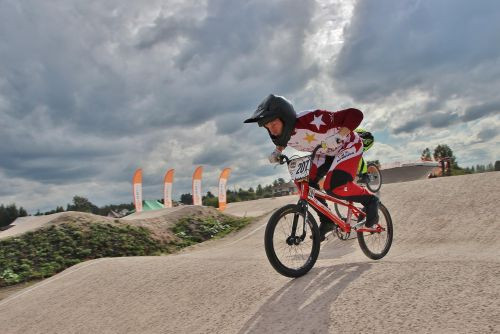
[(274, 107)]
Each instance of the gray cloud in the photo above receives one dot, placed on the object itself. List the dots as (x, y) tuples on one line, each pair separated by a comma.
[(76, 78), (487, 134), (90, 91), (482, 110), (442, 119), (176, 71), (433, 119), (392, 46), (442, 54), (214, 156)]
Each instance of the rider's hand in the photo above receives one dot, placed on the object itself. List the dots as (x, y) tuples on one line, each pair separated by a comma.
[(333, 142), (275, 156)]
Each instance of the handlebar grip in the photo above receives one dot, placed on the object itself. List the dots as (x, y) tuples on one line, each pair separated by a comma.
[(283, 158)]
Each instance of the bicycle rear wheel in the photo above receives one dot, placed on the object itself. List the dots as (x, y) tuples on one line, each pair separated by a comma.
[(292, 254), (341, 211), (374, 181), (375, 245)]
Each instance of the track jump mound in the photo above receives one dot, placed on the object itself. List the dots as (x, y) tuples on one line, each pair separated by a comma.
[(74, 237)]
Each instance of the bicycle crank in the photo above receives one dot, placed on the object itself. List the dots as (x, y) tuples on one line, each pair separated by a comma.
[(341, 234)]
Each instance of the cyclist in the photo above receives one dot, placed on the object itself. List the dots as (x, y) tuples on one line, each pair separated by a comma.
[(368, 140), (338, 161)]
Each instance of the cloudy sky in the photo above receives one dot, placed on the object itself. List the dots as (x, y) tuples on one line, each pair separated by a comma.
[(91, 90)]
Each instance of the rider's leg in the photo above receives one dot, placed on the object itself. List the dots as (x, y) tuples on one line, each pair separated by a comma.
[(319, 168), (362, 166), (351, 191), (363, 171), (339, 183)]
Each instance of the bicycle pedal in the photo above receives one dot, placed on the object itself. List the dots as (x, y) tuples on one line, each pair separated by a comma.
[(358, 225)]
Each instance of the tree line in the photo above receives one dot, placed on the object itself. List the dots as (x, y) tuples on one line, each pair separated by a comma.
[(239, 195), (443, 151), (10, 212)]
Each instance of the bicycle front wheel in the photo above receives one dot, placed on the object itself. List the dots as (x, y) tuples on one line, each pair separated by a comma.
[(374, 181), (292, 251), (375, 245)]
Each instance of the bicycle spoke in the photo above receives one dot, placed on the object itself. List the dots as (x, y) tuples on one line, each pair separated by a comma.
[(292, 256)]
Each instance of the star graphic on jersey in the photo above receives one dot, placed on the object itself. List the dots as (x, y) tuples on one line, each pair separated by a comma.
[(318, 121), (309, 138)]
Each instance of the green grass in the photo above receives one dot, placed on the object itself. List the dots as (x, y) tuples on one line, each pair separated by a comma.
[(45, 252), (42, 253), (192, 230)]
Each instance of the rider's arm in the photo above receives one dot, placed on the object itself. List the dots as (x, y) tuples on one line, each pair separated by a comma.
[(347, 120), (280, 148), (344, 131)]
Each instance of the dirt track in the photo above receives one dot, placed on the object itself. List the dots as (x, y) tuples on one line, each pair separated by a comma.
[(441, 276)]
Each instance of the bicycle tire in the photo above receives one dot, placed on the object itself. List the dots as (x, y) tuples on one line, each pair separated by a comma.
[(343, 215), (375, 171), (270, 239), (362, 236)]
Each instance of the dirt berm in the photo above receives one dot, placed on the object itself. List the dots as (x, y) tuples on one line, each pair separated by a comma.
[(441, 276)]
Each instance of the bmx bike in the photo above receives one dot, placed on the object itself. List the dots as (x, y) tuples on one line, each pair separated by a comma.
[(292, 239)]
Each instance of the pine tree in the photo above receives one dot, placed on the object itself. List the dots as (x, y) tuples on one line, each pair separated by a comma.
[(259, 191), (426, 155), (444, 151)]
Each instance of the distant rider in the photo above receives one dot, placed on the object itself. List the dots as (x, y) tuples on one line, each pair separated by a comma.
[(339, 161), (368, 141)]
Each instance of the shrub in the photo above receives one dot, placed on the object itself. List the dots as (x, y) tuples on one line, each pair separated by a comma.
[(192, 230), (45, 252)]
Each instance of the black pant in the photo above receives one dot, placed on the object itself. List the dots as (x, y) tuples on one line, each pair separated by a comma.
[(339, 178), (322, 170)]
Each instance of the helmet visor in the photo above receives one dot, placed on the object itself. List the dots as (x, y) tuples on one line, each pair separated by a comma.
[(263, 121)]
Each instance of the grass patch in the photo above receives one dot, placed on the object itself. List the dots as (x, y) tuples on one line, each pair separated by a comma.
[(192, 230), (44, 252)]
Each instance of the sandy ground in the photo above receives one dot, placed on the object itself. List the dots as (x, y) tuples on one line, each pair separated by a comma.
[(29, 223), (441, 276), (241, 209), (406, 173), (259, 207)]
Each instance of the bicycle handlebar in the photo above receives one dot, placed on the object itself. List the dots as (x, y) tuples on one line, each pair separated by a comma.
[(283, 158)]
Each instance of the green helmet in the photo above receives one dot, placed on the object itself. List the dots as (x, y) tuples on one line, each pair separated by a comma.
[(366, 137)]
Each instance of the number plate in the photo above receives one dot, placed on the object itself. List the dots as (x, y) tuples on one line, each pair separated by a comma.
[(299, 168)]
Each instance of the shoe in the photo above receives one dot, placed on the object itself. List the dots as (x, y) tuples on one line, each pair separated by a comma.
[(364, 178), (362, 215), (324, 228), (372, 222)]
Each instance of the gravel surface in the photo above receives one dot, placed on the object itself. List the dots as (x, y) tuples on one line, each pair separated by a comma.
[(441, 276)]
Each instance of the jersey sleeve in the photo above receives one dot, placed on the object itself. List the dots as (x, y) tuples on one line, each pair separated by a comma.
[(321, 121), (350, 118)]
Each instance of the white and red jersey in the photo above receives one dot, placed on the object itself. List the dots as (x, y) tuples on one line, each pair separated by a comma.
[(314, 126)]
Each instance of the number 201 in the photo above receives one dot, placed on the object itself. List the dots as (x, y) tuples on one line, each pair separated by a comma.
[(302, 167)]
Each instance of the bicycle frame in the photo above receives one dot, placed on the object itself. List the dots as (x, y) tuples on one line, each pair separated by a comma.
[(310, 196)]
